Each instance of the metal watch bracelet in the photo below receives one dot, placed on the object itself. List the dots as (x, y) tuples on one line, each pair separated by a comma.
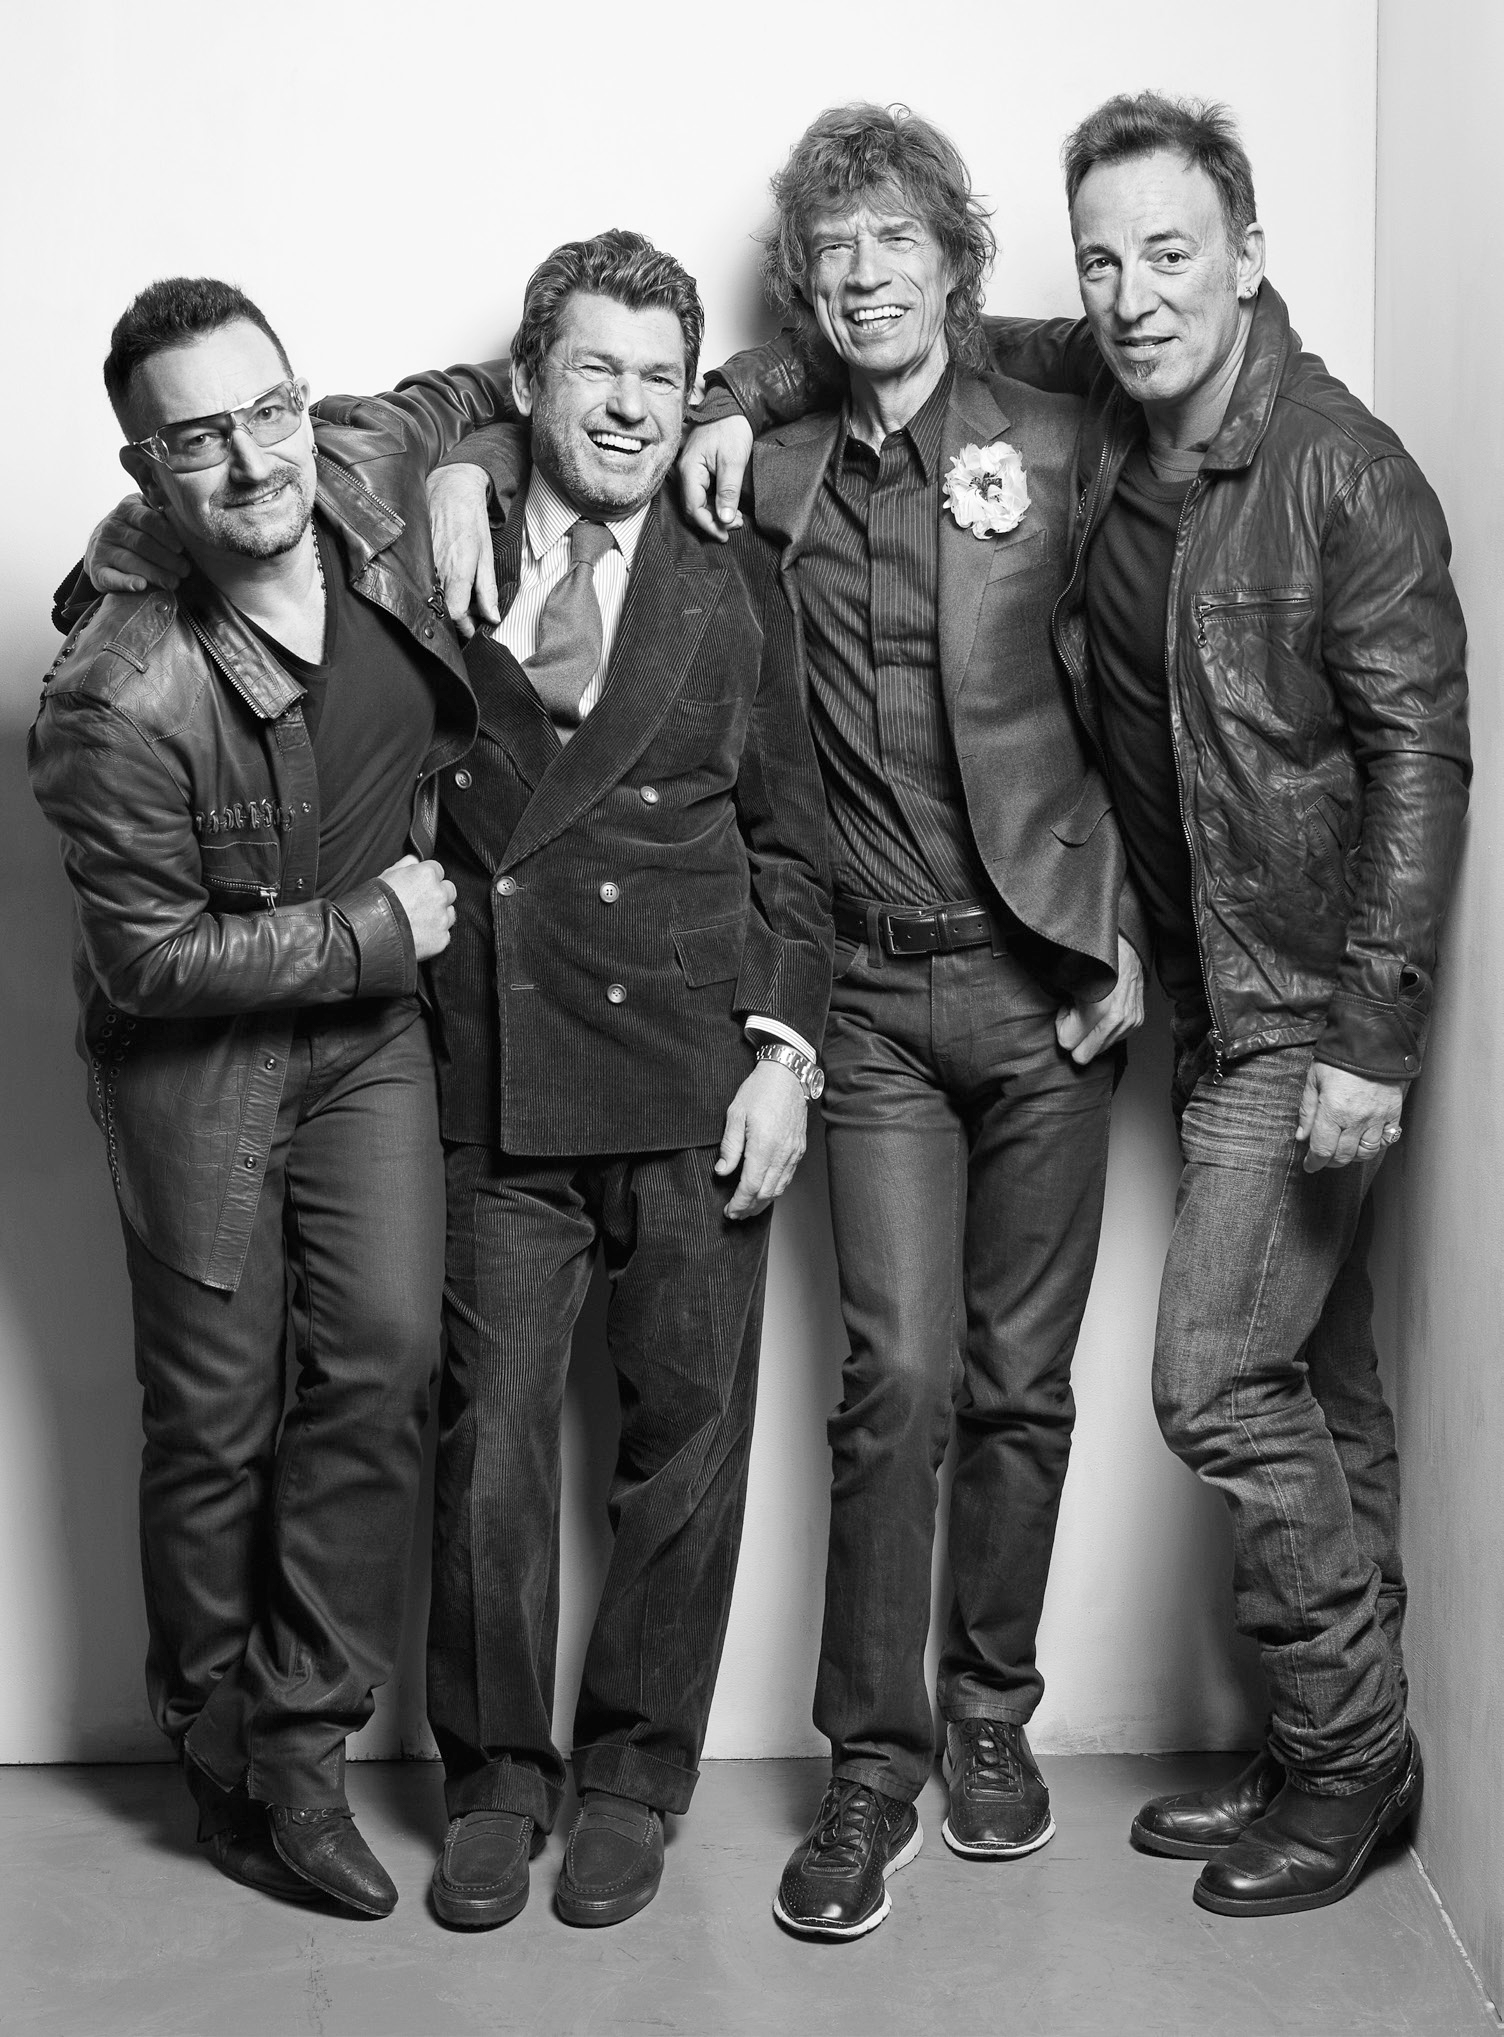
[(810, 1075)]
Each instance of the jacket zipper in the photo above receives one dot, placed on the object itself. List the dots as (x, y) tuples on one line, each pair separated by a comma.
[(1231, 603), (267, 893), (1198, 900)]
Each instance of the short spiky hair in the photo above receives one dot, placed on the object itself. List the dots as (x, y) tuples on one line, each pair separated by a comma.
[(173, 313), (1203, 132), (863, 150), (617, 264)]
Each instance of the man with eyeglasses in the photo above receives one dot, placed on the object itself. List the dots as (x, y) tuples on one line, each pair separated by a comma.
[(242, 769)]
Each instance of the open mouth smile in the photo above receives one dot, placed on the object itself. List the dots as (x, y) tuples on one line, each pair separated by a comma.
[(876, 317), (617, 442)]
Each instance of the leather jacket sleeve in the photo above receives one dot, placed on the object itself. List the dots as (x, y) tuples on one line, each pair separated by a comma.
[(1393, 645), (151, 940), (432, 409)]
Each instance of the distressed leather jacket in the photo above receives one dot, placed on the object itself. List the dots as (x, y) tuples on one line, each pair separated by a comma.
[(171, 754), (1314, 646)]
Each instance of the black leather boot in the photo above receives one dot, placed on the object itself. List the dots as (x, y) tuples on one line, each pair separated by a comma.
[(1204, 1823)]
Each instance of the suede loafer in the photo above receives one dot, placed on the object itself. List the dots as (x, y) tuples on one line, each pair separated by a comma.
[(1203, 1823), (613, 1861), (480, 1879), (1306, 1850), (325, 1848), (999, 1805), (836, 1882)]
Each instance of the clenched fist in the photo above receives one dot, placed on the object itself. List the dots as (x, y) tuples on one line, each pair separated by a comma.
[(427, 897)]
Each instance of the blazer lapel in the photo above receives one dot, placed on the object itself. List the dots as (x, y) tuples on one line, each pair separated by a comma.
[(674, 588), (510, 711), (972, 417), (788, 466)]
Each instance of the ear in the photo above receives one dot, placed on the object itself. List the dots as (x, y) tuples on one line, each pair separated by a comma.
[(1250, 266), (524, 388), (144, 473)]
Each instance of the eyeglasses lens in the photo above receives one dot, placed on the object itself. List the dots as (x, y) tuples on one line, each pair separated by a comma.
[(205, 441)]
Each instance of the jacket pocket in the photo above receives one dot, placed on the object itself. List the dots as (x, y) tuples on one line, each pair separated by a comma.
[(1079, 824), (1237, 604), (241, 876), (711, 954)]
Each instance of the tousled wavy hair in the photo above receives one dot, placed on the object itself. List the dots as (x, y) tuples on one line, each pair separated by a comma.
[(618, 264), (864, 150), (1202, 132)]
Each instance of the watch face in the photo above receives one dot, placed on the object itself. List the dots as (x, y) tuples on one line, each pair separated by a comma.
[(817, 1085)]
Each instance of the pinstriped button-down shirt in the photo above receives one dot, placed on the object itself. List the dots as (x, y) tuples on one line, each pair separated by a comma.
[(868, 587), (547, 522)]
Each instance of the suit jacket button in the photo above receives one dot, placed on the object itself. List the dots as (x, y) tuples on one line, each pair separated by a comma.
[(462, 780), (505, 886), (649, 795), (616, 993), (610, 892)]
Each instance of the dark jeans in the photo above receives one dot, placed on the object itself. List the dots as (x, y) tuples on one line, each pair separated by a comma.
[(1266, 1383), (967, 1158), (683, 1329), (275, 1549)]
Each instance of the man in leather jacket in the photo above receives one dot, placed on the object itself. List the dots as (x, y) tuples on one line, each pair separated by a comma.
[(1268, 652), (241, 767)]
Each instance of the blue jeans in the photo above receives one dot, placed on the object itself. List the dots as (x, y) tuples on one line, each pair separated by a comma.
[(1266, 1383)]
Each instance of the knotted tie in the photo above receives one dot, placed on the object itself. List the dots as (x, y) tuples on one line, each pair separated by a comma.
[(569, 627)]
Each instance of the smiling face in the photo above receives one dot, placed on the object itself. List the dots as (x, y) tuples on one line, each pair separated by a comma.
[(607, 403), (878, 282), (258, 504), (1161, 280)]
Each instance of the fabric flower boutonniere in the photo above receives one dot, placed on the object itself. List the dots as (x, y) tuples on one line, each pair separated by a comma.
[(986, 490)]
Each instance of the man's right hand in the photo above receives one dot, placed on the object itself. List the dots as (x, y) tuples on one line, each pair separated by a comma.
[(712, 462), (134, 548), (462, 545), (427, 897)]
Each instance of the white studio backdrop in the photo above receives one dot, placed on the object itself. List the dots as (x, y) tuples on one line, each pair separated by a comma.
[(381, 179)]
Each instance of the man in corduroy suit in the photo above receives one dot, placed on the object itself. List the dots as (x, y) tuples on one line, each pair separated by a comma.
[(629, 1015)]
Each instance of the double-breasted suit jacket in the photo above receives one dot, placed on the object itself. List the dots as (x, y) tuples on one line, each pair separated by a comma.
[(1038, 806), (628, 899)]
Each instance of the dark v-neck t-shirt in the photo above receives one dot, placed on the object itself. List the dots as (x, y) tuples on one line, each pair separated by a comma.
[(369, 710), (1127, 601)]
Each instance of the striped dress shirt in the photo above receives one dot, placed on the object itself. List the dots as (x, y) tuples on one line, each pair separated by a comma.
[(869, 587), (547, 520)]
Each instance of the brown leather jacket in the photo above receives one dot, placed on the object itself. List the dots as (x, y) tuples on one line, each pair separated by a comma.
[(1315, 648), (171, 755)]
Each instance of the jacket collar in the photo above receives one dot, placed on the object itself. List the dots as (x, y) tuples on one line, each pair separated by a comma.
[(367, 527)]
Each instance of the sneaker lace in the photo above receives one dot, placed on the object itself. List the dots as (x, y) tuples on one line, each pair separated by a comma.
[(993, 1747), (843, 1832)]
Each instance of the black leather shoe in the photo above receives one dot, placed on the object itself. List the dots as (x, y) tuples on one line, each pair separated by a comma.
[(836, 1882), (613, 1861), (1306, 1850), (1204, 1823), (325, 1848), (480, 1878), (244, 1851), (999, 1805)]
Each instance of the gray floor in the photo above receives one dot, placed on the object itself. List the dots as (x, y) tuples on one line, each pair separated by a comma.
[(111, 1921)]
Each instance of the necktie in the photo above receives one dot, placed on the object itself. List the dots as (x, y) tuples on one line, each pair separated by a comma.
[(569, 627)]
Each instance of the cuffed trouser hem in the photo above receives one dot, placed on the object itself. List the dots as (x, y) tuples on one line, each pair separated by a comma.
[(626, 1771), (875, 1775), (505, 1785), (1007, 1711)]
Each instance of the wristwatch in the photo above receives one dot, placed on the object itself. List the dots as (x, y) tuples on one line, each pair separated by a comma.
[(810, 1075)]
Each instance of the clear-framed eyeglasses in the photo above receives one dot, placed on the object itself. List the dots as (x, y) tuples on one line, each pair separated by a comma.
[(197, 442)]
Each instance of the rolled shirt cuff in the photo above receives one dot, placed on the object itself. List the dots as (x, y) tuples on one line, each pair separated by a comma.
[(772, 1028)]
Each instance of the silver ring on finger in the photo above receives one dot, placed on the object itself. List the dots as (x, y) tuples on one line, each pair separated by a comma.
[(1391, 1135)]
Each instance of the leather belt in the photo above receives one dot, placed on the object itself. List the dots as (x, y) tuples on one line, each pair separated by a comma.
[(898, 930)]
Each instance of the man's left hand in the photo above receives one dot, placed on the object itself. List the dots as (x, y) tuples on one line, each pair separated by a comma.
[(1345, 1117), (1086, 1030), (765, 1132)]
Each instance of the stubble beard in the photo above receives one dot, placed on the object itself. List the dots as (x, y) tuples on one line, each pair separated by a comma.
[(226, 525)]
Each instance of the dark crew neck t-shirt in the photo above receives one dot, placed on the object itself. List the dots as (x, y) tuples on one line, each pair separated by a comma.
[(370, 712), (1127, 600)]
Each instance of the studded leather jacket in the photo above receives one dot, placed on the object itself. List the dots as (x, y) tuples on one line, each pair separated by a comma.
[(171, 754), (1314, 645)]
